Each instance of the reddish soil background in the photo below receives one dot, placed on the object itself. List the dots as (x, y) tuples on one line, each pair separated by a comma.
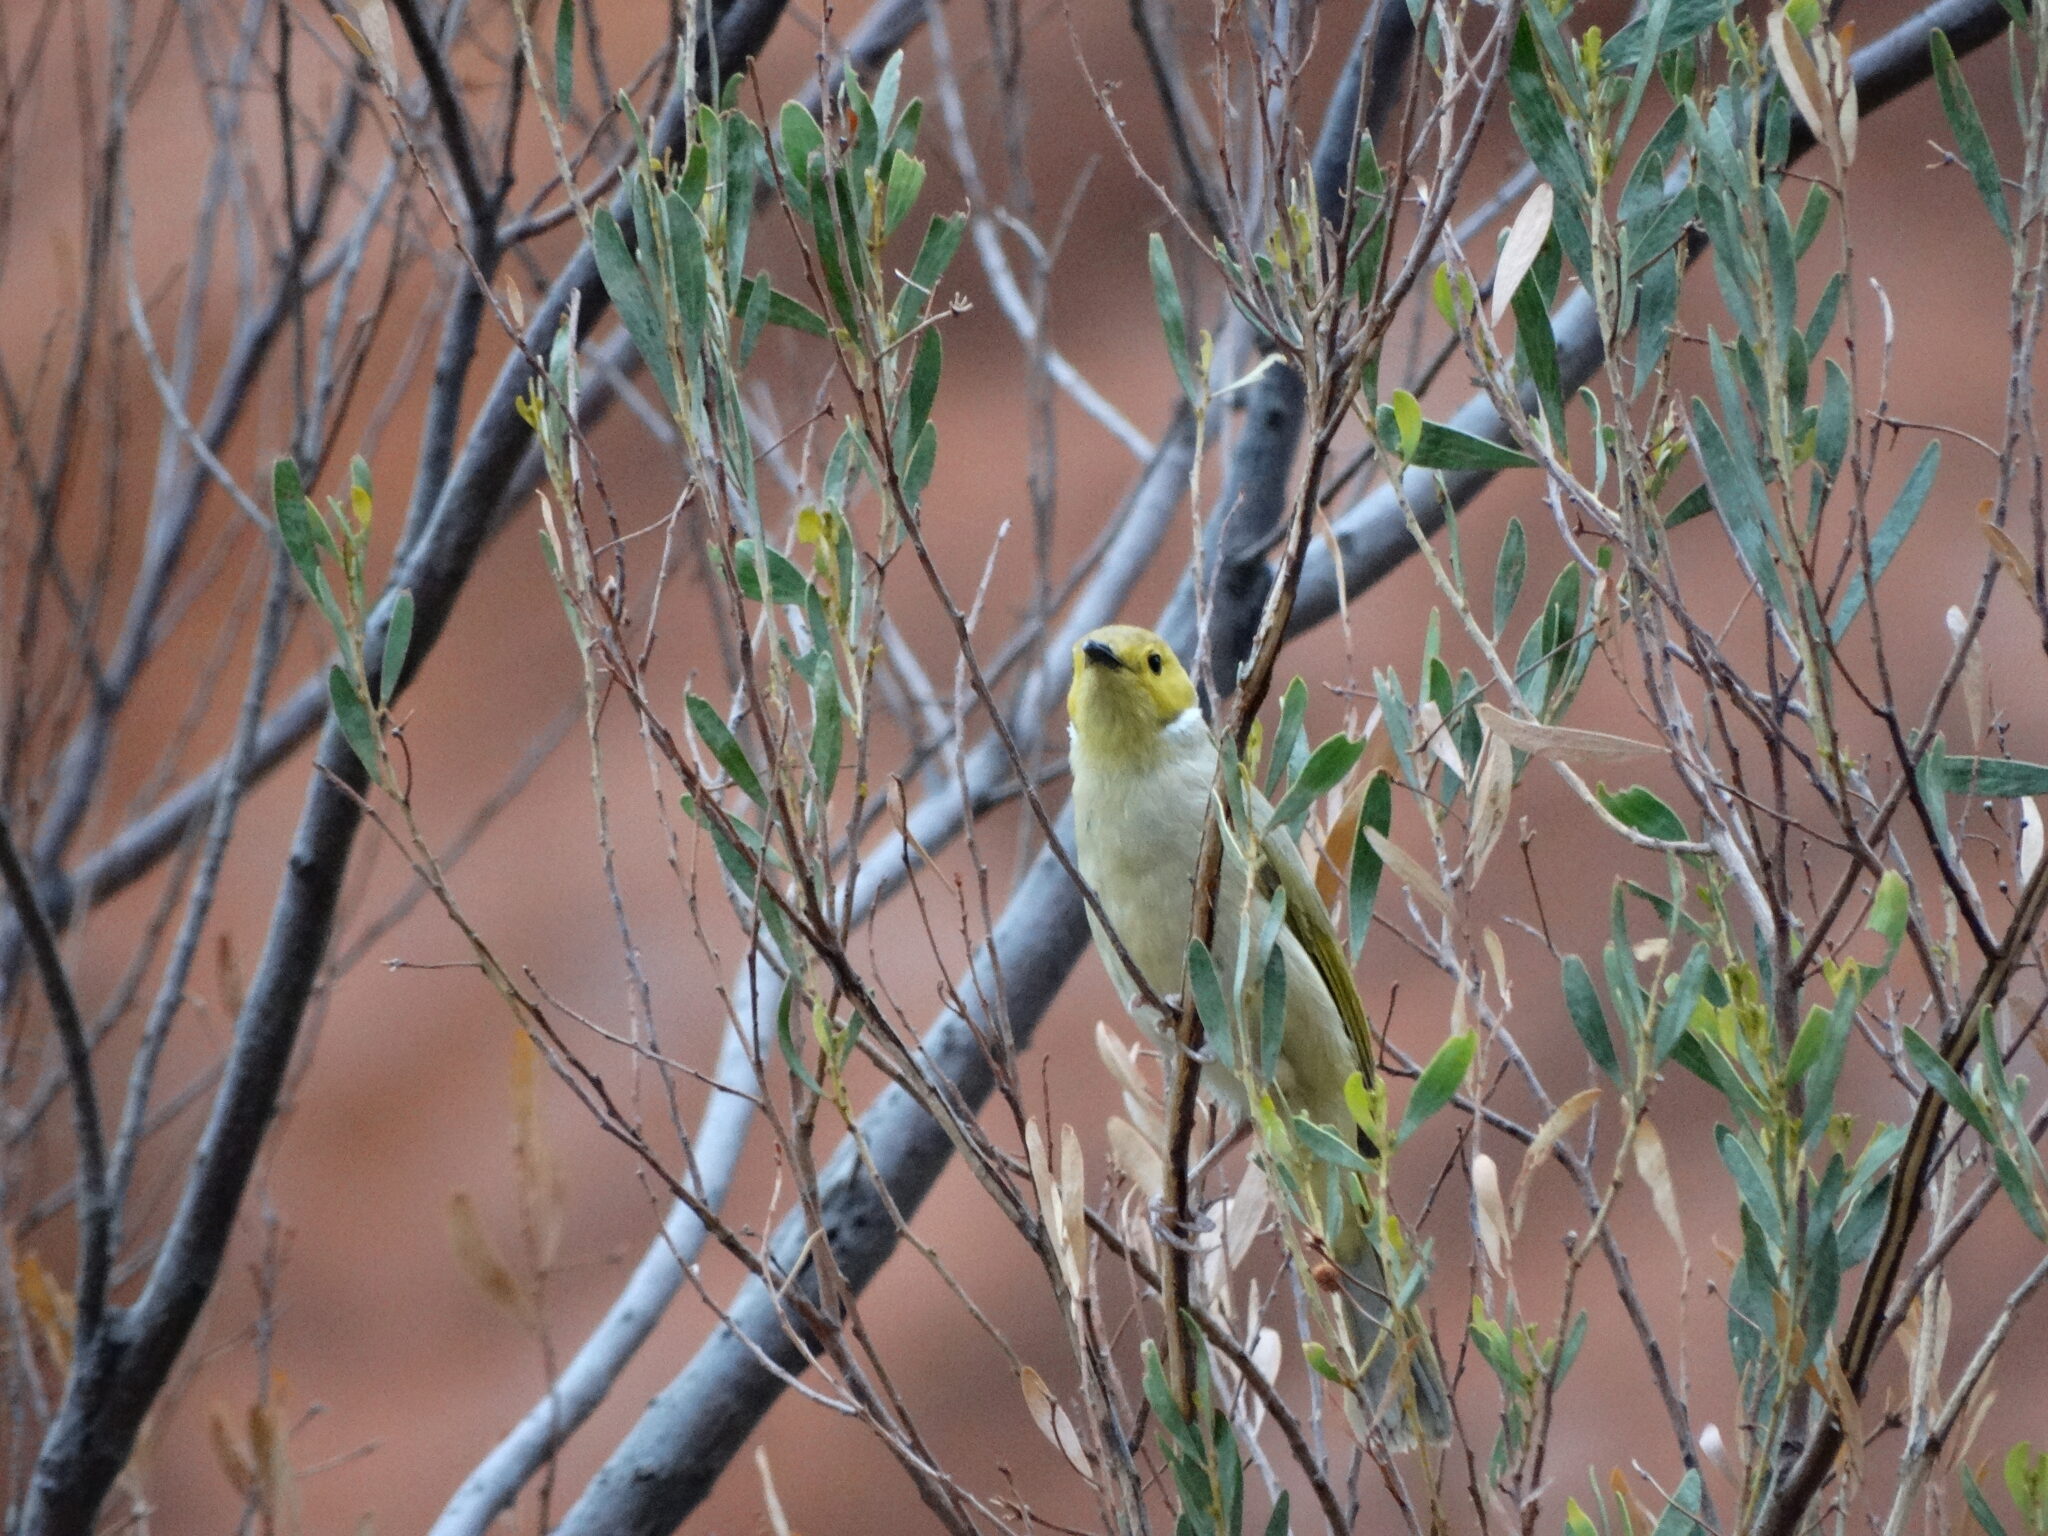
[(401, 1372)]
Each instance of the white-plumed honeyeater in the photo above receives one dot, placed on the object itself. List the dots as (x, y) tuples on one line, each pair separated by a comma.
[(1144, 766)]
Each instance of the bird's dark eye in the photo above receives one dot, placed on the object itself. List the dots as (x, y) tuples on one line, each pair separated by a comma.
[(1155, 663)]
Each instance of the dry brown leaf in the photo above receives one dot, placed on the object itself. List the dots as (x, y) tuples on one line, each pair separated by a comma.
[(1563, 741), (1074, 1201), (1493, 1213), (778, 1522), (1408, 872), (1490, 794), (1138, 1159), (1656, 1172), (49, 1305), (479, 1258), (1053, 1423), (2017, 565), (1562, 1119), (228, 1452), (1802, 81), (542, 1191), (1524, 243)]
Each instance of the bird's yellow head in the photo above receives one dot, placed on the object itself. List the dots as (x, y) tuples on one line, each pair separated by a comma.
[(1128, 687)]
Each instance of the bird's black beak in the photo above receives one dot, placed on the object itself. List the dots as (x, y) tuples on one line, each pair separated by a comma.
[(1100, 653)]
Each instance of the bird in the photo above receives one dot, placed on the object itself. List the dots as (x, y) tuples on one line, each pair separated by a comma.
[(1143, 766)]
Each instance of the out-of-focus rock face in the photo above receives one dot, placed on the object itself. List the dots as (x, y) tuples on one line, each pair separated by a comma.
[(404, 1099)]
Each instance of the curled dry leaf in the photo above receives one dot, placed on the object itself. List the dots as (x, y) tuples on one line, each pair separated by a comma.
[(1562, 1119), (1803, 82), (234, 1460), (1408, 872), (1429, 726), (1137, 1159), (1074, 1200), (369, 33), (1524, 242), (543, 1195), (1656, 1173), (778, 1522), (1490, 795), (1493, 1213), (2017, 565), (1499, 958), (1563, 741), (1053, 1423), (50, 1306), (479, 1258)]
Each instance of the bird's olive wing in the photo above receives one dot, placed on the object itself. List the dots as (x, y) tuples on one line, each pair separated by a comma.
[(1308, 920)]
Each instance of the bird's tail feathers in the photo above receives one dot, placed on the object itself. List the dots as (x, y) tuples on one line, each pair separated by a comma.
[(1402, 1381)]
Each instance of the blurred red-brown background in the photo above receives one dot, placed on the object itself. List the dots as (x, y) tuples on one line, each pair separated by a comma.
[(404, 1371)]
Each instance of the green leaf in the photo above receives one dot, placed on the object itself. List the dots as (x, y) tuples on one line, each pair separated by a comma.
[(1888, 911), (941, 240), (1439, 1082), (1695, 502), (1890, 534), (786, 584), (1677, 1013), (1293, 708), (397, 642), (353, 718), (1440, 447), (797, 316), (1273, 1009), (1641, 811), (1752, 1185), (1509, 572), (1208, 990), (1327, 1147), (917, 469), (1969, 130), (630, 296), (906, 180), (712, 731), (1326, 767), (294, 519), (1942, 1078), (1738, 493), (1992, 778), (1582, 1005), (1973, 1495), (565, 57), (1166, 296), (1407, 422), (1375, 813), (1682, 1516)]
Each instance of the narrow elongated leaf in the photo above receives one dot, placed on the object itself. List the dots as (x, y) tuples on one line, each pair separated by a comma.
[(1589, 1019), (1166, 297), (1971, 139), (1375, 814), (565, 57), (1890, 534), (1641, 811), (712, 730), (1324, 769), (1440, 447), (1992, 778), (397, 641), (353, 719), (1439, 1082), (1943, 1079), (1509, 572), (1677, 1013), (630, 297)]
